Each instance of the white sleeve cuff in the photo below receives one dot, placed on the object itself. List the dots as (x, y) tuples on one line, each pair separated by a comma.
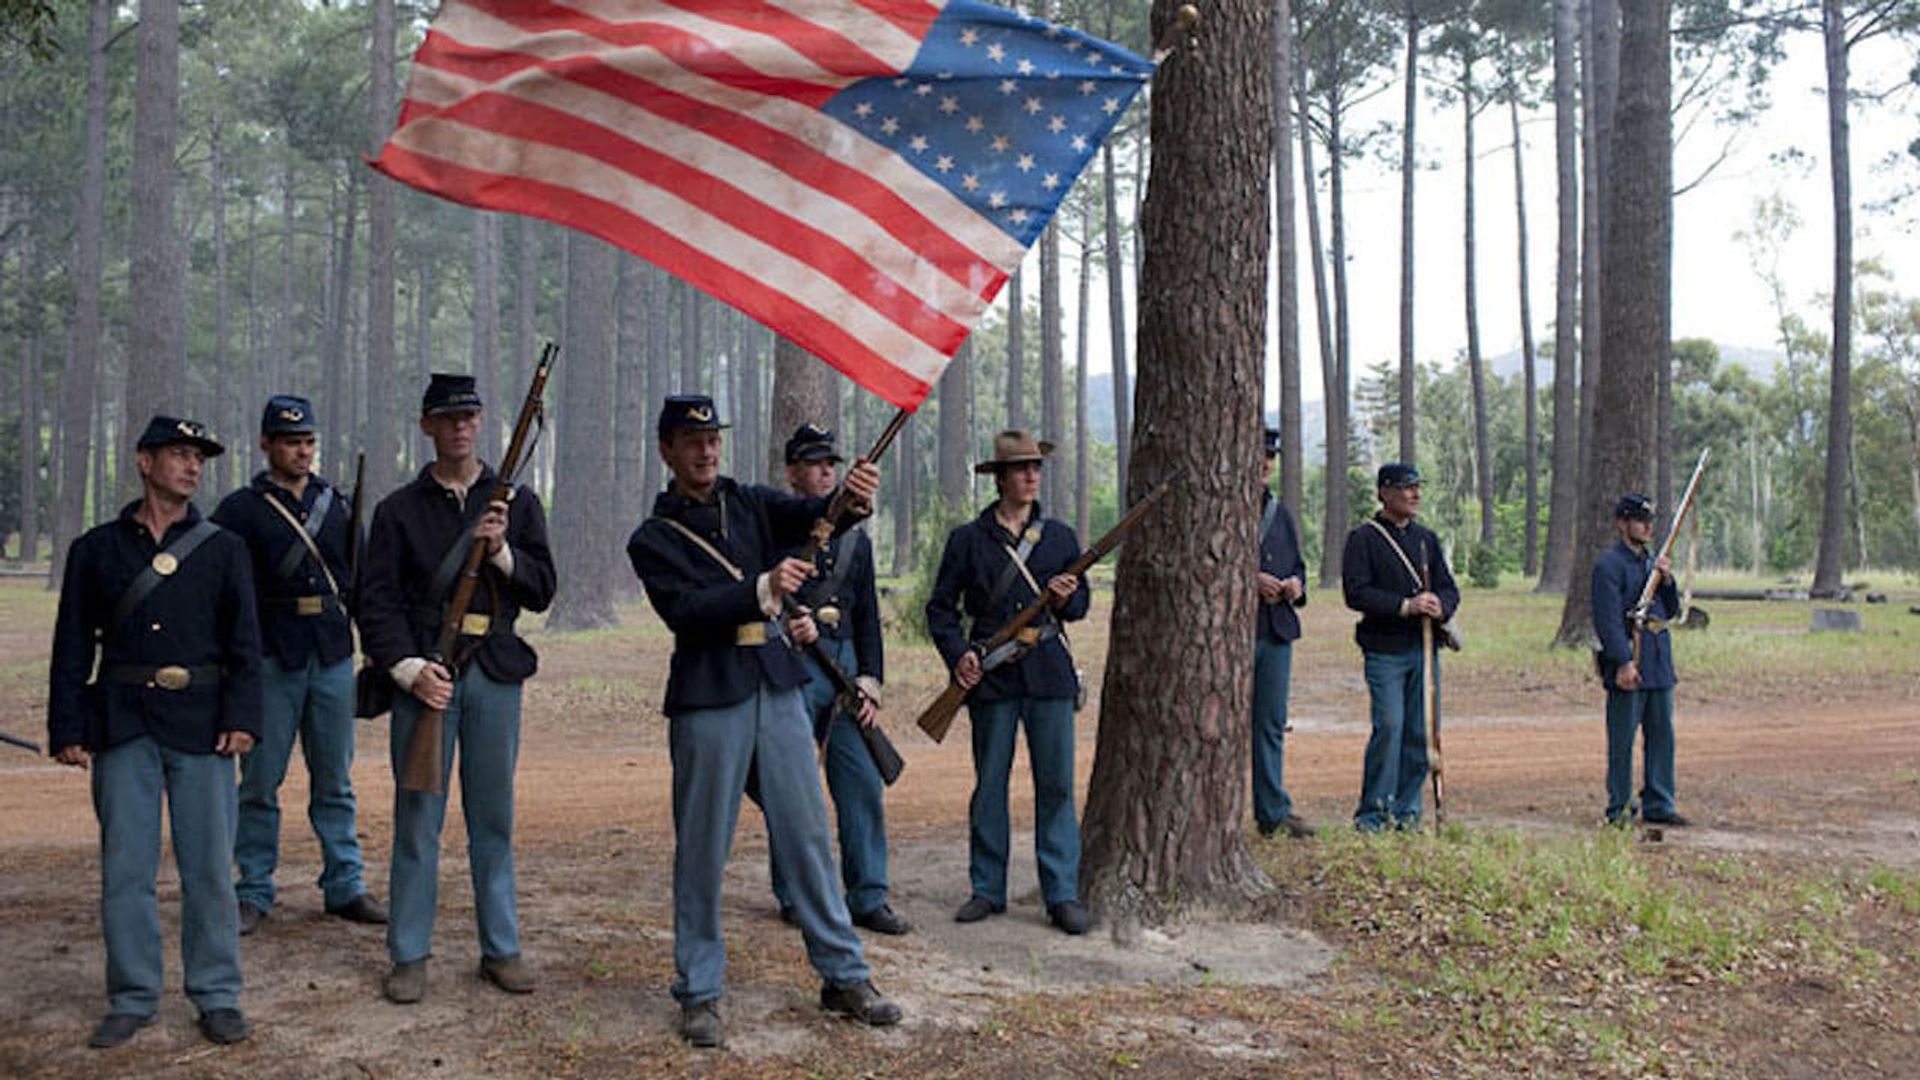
[(869, 686), (763, 591), (404, 672), (503, 559)]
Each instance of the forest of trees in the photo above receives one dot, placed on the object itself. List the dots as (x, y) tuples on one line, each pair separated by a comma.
[(187, 224)]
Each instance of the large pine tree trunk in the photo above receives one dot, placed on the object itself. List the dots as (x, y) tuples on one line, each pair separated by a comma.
[(905, 466), (1316, 253), (1052, 381), (1082, 441), (526, 295), (803, 392), (1116, 319), (1638, 296), (585, 552), (220, 386), (79, 384), (1409, 167), (486, 331), (1165, 803), (1476, 369), (632, 418), (956, 406), (156, 380), (1556, 564), (1831, 559), (1287, 245), (1334, 533), (29, 315), (1530, 422), (1016, 354), (692, 306), (384, 389)]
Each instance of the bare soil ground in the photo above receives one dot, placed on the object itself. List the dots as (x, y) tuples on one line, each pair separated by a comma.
[(1795, 779)]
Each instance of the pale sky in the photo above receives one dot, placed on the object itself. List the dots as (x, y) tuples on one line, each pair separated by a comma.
[(1717, 293)]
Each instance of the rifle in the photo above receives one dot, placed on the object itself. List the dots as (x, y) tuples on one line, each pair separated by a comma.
[(423, 768), (24, 744), (938, 717), (1429, 660), (1639, 618), (848, 697), (353, 531)]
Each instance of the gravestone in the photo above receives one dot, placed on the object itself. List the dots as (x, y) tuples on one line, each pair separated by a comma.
[(1836, 619)]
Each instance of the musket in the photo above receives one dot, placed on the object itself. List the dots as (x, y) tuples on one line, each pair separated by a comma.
[(423, 768), (353, 530), (1429, 661), (24, 744), (848, 697), (938, 717), (1639, 617)]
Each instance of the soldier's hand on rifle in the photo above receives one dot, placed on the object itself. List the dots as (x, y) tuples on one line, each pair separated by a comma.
[(1292, 589), (493, 527), (232, 743), (1060, 588), (801, 628), (869, 712), (77, 756), (863, 479), (433, 686), (1426, 604), (788, 576), (1663, 566), (1271, 589), (1628, 677), (967, 672)]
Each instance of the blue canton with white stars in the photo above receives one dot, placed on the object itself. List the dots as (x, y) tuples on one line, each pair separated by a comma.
[(1002, 109)]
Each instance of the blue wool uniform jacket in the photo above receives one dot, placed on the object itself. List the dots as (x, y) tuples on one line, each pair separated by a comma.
[(1618, 576), (970, 567), (291, 638), (1375, 581), (201, 615), (701, 602), (412, 530), (856, 597), (1280, 556)]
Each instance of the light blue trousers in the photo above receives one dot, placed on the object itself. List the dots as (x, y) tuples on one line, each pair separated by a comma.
[(1396, 761), (713, 749), (483, 724), (314, 702), (1651, 712), (128, 781), (1272, 672), (1056, 833)]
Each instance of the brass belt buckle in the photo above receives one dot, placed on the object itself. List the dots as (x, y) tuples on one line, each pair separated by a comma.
[(475, 625), (309, 605), (828, 616), (1028, 635), (172, 677), (750, 634)]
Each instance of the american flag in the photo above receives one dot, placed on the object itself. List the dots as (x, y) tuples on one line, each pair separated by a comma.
[(859, 175)]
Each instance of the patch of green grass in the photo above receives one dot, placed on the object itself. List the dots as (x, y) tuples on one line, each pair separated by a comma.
[(1900, 887)]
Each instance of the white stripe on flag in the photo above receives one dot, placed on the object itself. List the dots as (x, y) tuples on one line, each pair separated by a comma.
[(490, 152), (860, 25)]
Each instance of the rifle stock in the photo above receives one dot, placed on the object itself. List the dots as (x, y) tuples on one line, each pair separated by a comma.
[(937, 718), (423, 765), (1638, 616)]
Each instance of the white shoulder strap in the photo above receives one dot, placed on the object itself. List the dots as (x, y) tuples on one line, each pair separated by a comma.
[(1397, 550)]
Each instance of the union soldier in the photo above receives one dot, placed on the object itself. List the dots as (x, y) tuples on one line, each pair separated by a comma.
[(993, 566), (1282, 581), (846, 610), (297, 527), (1639, 694), (709, 558), (418, 544), (1381, 573), (164, 598)]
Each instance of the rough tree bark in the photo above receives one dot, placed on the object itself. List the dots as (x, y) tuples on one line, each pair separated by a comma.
[(1052, 388), (1530, 426), (1082, 439), (1164, 808), (1831, 559), (384, 438), (956, 405), (1557, 560), (1116, 318), (1287, 244), (1408, 168), (486, 330), (692, 306), (1476, 368), (1601, 81), (803, 391), (80, 382), (1316, 253), (29, 312), (632, 419), (585, 549), (1638, 274), (1016, 354), (1334, 528), (155, 374)]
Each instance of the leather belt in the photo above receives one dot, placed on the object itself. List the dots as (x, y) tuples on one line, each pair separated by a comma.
[(750, 635), (162, 676), (304, 606)]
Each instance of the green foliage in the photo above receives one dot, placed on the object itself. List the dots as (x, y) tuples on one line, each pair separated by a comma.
[(1482, 563), (29, 25), (909, 617)]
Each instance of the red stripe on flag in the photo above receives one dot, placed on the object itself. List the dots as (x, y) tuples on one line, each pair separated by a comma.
[(780, 150), (564, 206), (828, 48), (911, 17), (521, 119)]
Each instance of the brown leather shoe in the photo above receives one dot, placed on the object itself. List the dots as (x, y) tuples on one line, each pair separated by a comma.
[(250, 918), (406, 983), (361, 909), (861, 1002), (509, 973)]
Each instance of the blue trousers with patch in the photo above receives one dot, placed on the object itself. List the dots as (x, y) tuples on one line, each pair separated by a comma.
[(1396, 760), (859, 795), (713, 751), (1651, 712), (314, 702), (128, 782), (1056, 833), (1272, 671), (483, 724)]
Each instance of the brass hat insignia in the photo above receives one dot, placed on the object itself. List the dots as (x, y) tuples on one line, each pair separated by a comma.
[(700, 414), (293, 416), (190, 429)]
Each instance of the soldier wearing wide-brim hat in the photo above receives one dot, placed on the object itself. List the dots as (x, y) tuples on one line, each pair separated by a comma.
[(992, 567), (846, 609), (710, 556), (1381, 576), (418, 544), (1282, 585), (297, 527), (163, 600), (1639, 688)]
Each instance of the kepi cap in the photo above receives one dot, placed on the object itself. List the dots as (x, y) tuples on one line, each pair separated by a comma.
[(449, 393), (811, 442), (170, 431), (1270, 441), (689, 412), (1634, 506), (1397, 474), (286, 414)]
